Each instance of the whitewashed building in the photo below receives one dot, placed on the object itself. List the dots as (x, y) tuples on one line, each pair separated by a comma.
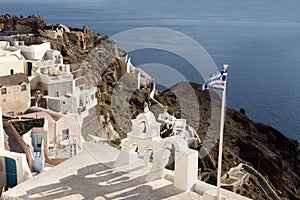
[(13, 166), (65, 92), (11, 59)]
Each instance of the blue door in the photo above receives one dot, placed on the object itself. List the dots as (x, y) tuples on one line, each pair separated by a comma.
[(29, 68), (11, 172)]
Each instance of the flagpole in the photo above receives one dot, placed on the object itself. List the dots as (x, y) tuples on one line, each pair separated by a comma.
[(221, 140)]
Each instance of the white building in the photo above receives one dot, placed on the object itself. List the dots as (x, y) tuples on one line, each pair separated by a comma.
[(14, 94), (13, 166), (33, 52), (11, 60), (60, 131), (65, 92)]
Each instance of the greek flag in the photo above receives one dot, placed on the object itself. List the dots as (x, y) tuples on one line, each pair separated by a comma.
[(216, 81)]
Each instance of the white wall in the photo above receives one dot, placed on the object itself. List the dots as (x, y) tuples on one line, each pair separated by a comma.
[(23, 170), (2, 147), (3, 170), (4, 45), (11, 62), (34, 52), (52, 55), (15, 100)]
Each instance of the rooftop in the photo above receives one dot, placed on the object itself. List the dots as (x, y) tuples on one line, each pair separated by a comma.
[(12, 80), (54, 115), (7, 50)]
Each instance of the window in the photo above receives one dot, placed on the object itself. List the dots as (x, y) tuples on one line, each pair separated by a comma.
[(23, 87), (11, 72), (37, 140), (57, 94), (3, 91), (65, 134)]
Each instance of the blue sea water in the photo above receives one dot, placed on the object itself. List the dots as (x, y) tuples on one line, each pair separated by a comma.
[(259, 39)]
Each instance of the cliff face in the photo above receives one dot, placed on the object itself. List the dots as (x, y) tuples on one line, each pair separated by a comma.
[(267, 150)]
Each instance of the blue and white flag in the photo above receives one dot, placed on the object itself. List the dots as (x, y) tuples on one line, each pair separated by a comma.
[(216, 81)]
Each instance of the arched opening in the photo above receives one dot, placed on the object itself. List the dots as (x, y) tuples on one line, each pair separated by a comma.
[(169, 156), (148, 155), (133, 148), (170, 149)]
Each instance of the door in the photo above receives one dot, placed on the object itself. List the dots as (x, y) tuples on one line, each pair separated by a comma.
[(11, 172), (29, 68)]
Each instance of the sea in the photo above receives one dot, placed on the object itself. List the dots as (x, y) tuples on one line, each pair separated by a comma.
[(260, 40)]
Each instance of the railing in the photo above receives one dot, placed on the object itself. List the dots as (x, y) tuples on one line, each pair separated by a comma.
[(65, 148), (70, 140), (265, 186), (65, 152), (59, 77)]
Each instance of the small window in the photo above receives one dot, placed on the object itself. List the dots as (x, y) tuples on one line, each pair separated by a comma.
[(3, 91), (64, 103), (11, 72), (23, 87), (57, 94), (65, 134)]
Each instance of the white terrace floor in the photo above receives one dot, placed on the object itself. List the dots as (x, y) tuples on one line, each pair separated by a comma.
[(91, 175)]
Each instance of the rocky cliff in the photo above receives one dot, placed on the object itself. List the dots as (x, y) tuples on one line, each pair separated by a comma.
[(13, 25)]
